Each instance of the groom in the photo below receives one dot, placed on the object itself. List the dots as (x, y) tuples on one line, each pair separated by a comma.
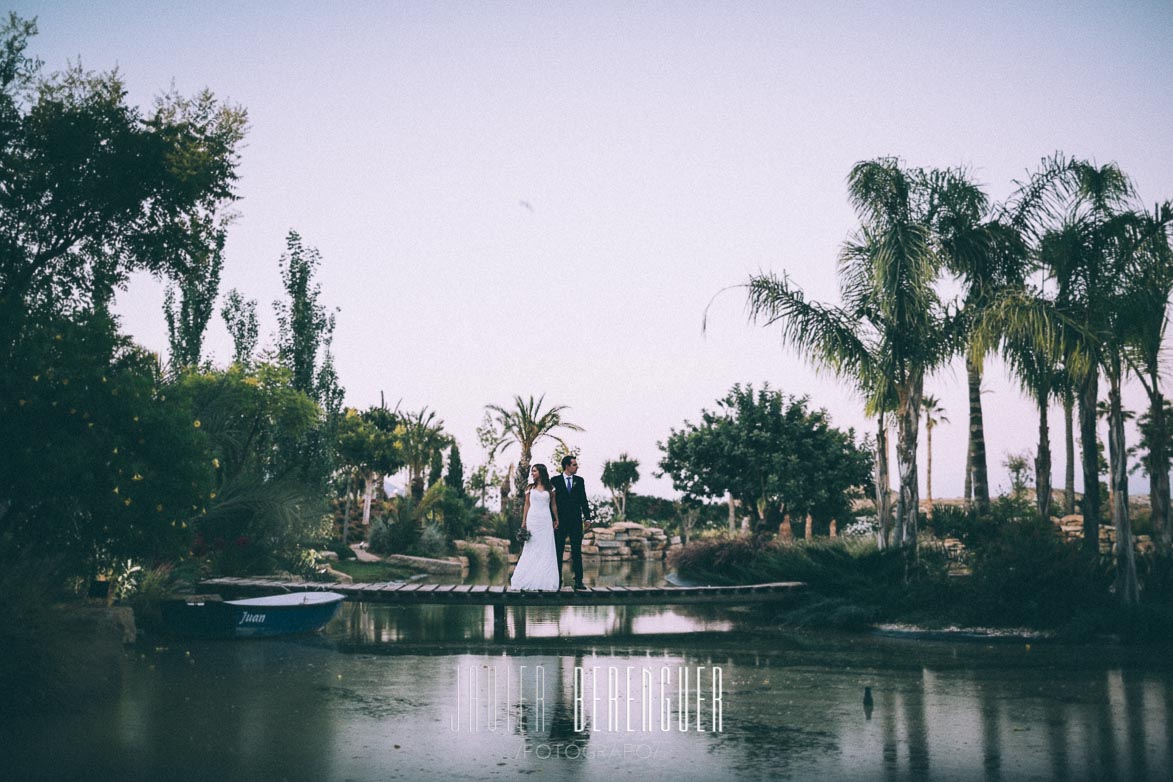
[(574, 513)]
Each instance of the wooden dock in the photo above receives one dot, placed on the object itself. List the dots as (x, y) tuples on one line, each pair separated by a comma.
[(501, 597)]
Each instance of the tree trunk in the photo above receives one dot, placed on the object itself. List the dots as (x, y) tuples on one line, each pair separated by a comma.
[(368, 495), (1126, 586), (1043, 463), (907, 422), (346, 512), (1069, 447), (977, 438), (883, 485), (1089, 394), (1159, 466), (929, 469), (732, 511)]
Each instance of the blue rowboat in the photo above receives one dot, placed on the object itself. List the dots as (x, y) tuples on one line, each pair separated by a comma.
[(256, 617)]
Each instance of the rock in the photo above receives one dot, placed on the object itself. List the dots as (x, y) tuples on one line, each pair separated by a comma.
[(451, 566), (608, 544), (327, 556), (588, 551), (339, 576)]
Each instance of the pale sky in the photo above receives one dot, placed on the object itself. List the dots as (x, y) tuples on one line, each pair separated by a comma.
[(668, 150)]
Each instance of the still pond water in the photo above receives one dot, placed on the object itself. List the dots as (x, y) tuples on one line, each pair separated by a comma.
[(422, 692)]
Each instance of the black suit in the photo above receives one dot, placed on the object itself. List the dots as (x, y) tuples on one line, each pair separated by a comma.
[(573, 508)]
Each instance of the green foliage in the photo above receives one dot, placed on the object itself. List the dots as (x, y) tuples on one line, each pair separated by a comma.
[(423, 436), (99, 464), (94, 188), (619, 476), (261, 513), (240, 317), (435, 468), (304, 327), (1027, 575), (455, 475), (772, 453)]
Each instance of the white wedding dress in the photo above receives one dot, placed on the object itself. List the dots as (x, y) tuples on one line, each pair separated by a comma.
[(537, 567)]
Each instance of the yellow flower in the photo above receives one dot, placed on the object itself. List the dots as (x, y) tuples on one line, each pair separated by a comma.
[(64, 381), (126, 501), (183, 525), (216, 463), (90, 424), (136, 419), (137, 477), (103, 378), (159, 509), (115, 489), (115, 451), (212, 496), (58, 337), (22, 403), (196, 423), (36, 378)]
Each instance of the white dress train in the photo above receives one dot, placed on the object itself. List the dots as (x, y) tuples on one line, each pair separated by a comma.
[(537, 567)]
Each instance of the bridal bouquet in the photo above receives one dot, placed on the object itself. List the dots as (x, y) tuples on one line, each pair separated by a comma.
[(523, 535)]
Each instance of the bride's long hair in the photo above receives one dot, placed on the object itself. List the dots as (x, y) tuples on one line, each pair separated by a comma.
[(544, 477)]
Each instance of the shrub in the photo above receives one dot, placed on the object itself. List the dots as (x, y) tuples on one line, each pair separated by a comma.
[(431, 542), (1026, 574)]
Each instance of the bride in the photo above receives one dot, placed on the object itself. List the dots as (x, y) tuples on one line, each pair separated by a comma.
[(538, 566)]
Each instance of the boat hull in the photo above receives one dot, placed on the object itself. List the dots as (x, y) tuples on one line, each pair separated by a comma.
[(291, 614)]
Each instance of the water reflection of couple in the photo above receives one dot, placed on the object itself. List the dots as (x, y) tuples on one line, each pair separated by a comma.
[(555, 510)]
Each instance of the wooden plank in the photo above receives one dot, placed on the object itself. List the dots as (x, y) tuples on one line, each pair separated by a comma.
[(426, 588), (408, 588), (462, 589), (497, 590), (479, 588), (446, 587), (392, 587)]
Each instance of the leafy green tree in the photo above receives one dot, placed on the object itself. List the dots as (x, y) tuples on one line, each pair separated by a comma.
[(95, 189), (773, 454), (304, 333), (455, 475), (368, 448), (100, 463), (240, 316), (304, 326), (436, 468), (562, 450), (619, 476), (199, 285), (263, 513)]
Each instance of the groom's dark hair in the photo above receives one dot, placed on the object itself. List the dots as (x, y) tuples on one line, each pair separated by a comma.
[(566, 460)]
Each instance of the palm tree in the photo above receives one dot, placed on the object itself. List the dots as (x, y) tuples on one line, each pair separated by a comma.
[(1094, 256), (1036, 365), (422, 435), (892, 329), (1148, 300), (934, 414), (523, 425), (844, 340)]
